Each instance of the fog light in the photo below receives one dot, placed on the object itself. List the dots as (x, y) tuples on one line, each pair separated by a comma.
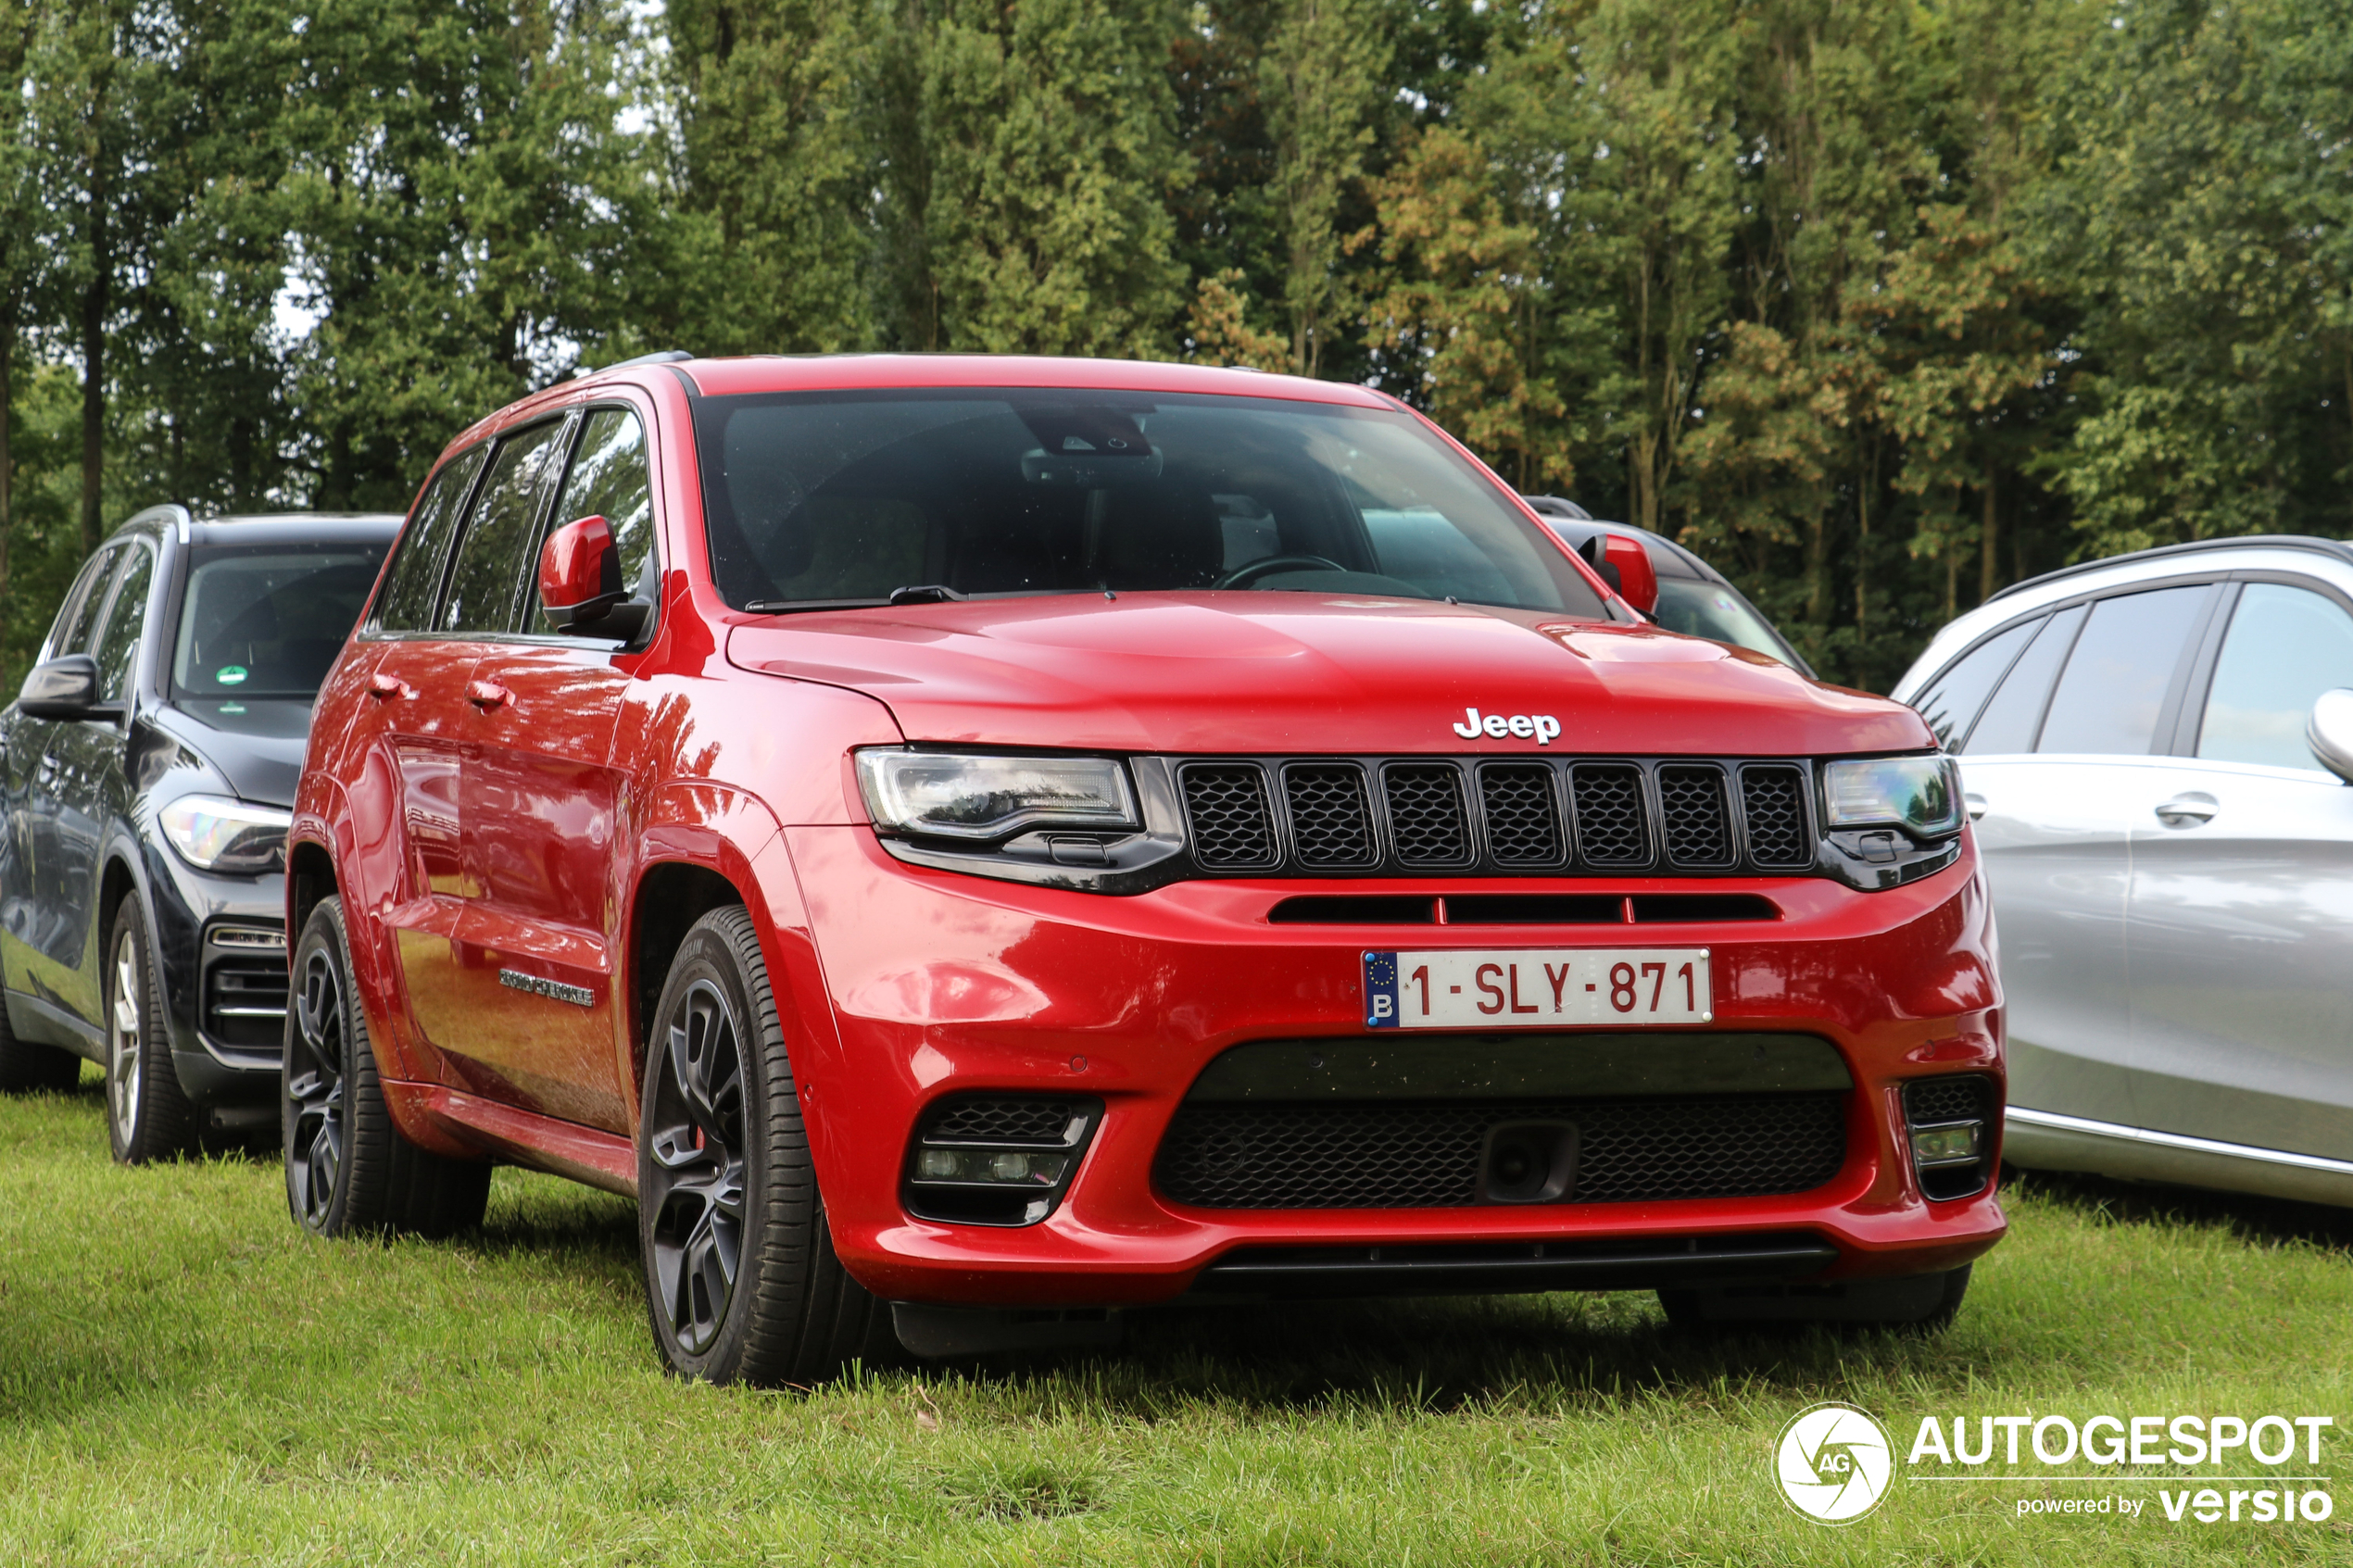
[(997, 1160), (1954, 1144), (939, 1164)]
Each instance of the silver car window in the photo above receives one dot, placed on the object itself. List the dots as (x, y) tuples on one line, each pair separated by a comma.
[(2286, 646), (2010, 720), (1951, 705), (2109, 699)]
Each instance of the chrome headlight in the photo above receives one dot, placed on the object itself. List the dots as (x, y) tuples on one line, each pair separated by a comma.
[(947, 794), (214, 833), (1920, 795)]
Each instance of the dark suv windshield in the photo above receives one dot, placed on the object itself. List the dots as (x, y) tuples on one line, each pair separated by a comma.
[(842, 497), (262, 622)]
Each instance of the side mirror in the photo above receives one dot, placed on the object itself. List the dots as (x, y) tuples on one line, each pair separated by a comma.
[(579, 577), (2329, 732), (1624, 565), (65, 688)]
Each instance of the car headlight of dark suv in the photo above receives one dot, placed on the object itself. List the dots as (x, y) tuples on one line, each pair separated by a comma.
[(213, 832)]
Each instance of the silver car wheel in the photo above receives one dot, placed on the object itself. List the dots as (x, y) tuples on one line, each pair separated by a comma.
[(126, 1037)]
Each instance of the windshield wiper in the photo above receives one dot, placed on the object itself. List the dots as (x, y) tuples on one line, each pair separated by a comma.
[(794, 607), (926, 594)]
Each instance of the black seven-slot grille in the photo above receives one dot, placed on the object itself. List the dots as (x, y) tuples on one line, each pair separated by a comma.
[(1427, 1155), (1358, 815)]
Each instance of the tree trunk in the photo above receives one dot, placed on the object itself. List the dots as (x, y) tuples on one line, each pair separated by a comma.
[(1985, 538), (7, 459), (94, 301)]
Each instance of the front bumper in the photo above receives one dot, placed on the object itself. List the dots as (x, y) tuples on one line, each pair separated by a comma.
[(221, 958), (941, 984)]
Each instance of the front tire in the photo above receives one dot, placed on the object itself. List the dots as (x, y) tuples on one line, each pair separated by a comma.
[(742, 1285), (148, 1116), (348, 1170)]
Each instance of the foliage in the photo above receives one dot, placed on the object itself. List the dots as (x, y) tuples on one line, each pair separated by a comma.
[(1879, 307)]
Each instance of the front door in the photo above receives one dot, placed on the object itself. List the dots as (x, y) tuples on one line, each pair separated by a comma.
[(541, 804), (2241, 923)]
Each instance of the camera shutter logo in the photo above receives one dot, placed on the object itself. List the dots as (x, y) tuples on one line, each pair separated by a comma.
[(1833, 1462)]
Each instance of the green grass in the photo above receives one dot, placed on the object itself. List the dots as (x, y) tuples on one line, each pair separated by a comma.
[(183, 1378)]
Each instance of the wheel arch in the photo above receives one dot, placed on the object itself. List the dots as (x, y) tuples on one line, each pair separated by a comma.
[(669, 898)]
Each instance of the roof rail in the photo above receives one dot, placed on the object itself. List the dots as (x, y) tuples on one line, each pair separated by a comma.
[(2336, 548), (664, 356)]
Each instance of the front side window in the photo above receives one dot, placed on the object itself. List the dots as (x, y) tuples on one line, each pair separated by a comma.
[(118, 646), (2286, 646), (840, 499), (488, 574), (609, 479), (2108, 700), (1951, 705), (265, 621), (2015, 712), (78, 617), (415, 578)]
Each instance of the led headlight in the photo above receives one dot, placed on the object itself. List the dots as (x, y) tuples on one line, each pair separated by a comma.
[(947, 794), (214, 833), (1920, 793)]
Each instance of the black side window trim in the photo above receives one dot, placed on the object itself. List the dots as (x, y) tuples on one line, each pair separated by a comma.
[(104, 623), (569, 432), (95, 577), (527, 602), (372, 627), (1935, 683)]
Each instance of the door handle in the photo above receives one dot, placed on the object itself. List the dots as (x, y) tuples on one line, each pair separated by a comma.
[(488, 695), (382, 685), (1976, 804), (2187, 811)]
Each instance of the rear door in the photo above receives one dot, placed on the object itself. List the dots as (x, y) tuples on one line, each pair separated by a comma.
[(541, 805), (2051, 763), (2240, 930)]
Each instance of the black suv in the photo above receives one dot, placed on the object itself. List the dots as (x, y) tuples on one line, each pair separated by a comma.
[(146, 773)]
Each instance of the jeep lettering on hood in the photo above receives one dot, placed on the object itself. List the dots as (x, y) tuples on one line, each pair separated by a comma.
[(1542, 726)]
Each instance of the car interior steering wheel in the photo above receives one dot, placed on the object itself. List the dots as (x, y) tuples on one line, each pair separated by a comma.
[(1251, 572)]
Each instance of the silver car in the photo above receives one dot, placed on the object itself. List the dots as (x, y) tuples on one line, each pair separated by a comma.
[(2169, 846)]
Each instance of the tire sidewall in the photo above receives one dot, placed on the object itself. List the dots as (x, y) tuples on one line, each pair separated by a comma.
[(131, 924), (324, 929), (706, 954)]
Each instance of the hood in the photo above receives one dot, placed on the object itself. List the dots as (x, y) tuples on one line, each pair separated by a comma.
[(1275, 673), (257, 746)]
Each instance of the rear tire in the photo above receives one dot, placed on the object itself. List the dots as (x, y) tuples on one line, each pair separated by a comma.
[(1923, 1302), (30, 1068), (742, 1285), (148, 1116), (348, 1170)]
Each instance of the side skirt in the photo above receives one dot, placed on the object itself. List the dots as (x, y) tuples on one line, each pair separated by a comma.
[(30, 1018), (2047, 1141), (524, 1137)]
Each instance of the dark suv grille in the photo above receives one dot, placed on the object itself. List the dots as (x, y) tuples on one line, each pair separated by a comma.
[(1427, 1156)]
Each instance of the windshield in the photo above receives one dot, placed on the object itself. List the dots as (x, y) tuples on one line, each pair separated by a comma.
[(267, 621), (847, 498), (1710, 609)]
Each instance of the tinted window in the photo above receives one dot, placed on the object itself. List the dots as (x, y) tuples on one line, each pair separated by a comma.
[(2286, 646), (488, 575), (849, 496), (1710, 609), (415, 578), (1951, 705), (119, 647), (78, 617), (268, 622), (2010, 721), (2109, 700), (609, 479)]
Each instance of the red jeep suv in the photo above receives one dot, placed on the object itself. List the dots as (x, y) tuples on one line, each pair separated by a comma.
[(1017, 839)]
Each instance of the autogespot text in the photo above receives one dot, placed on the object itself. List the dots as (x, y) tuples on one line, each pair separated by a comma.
[(2031, 1449)]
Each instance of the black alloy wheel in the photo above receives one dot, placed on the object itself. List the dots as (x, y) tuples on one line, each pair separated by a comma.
[(149, 1117), (742, 1285), (348, 1170)]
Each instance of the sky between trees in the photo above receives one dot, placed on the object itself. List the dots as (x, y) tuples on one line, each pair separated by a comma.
[(1879, 306)]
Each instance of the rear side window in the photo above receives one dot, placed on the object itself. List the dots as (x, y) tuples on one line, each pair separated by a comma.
[(415, 577), (488, 574), (2010, 720), (2286, 646), (609, 479), (2109, 701), (119, 647)]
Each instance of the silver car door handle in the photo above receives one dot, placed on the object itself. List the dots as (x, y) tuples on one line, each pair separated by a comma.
[(2186, 810), (1976, 804)]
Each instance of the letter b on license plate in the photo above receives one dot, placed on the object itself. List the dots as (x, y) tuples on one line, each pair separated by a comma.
[(1537, 988)]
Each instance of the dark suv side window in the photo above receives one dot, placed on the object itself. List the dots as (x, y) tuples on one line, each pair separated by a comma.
[(609, 479), (78, 617), (118, 649), (488, 574), (415, 578)]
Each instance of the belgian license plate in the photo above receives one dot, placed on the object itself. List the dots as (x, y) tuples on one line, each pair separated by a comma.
[(1537, 988)]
